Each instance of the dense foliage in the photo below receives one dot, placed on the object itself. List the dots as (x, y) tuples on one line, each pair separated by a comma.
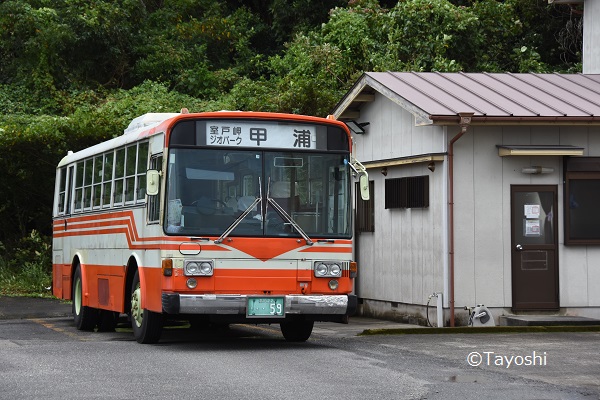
[(75, 72)]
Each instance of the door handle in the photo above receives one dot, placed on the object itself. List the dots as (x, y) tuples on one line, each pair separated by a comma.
[(519, 247)]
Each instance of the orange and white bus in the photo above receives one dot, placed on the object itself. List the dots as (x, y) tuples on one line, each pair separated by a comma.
[(221, 217)]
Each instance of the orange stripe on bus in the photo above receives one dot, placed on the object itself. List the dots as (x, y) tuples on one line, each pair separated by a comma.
[(128, 216), (123, 222), (130, 242)]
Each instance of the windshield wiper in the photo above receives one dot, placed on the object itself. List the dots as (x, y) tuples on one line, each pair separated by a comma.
[(286, 216), (239, 219), (277, 208)]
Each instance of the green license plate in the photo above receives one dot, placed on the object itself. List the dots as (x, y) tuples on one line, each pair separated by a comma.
[(265, 307)]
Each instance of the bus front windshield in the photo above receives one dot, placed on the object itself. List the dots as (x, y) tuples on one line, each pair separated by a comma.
[(257, 193)]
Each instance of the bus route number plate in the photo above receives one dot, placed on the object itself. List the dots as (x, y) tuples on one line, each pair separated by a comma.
[(265, 307)]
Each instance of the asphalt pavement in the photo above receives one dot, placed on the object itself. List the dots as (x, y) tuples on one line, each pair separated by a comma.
[(37, 307), (400, 361), (398, 357), (33, 307)]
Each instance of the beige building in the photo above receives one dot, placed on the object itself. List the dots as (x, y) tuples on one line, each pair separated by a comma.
[(484, 190)]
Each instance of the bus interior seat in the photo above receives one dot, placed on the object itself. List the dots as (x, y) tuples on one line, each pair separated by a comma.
[(206, 206), (281, 194), (232, 203), (244, 202)]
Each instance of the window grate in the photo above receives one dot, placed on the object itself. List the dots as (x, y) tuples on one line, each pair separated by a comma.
[(407, 192), (365, 210)]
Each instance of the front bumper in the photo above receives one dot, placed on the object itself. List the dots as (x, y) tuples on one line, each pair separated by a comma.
[(316, 307)]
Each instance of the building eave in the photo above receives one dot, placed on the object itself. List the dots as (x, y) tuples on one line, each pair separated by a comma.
[(504, 120), (348, 108)]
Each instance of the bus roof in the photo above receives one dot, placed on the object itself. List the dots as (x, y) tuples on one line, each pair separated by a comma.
[(147, 121), (130, 134)]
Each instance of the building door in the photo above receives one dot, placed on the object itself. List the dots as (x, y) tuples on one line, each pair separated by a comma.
[(534, 247)]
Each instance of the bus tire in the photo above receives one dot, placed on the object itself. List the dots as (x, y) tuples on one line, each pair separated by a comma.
[(85, 317), (147, 325), (297, 331)]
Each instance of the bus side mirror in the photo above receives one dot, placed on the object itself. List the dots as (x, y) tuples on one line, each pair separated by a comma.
[(152, 182), (363, 183)]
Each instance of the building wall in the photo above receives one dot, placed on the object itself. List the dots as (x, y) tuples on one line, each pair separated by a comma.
[(580, 265), (591, 35), (482, 214), (403, 260), (392, 133)]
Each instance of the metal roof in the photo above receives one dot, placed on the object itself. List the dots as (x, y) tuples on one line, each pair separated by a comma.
[(491, 97)]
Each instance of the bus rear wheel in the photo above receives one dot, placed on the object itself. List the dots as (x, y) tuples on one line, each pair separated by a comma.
[(147, 325), (85, 317), (297, 331)]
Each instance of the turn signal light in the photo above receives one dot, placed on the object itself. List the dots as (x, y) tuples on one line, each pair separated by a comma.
[(353, 269), (167, 267)]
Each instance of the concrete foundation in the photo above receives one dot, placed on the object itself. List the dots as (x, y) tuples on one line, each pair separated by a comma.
[(416, 314)]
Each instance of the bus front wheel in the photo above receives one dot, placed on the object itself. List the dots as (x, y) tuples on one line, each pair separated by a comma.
[(85, 317), (147, 325), (297, 331)]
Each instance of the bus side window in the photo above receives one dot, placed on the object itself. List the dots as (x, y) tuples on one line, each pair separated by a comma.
[(62, 194), (69, 190), (142, 167), (107, 177), (97, 181), (119, 175), (79, 187), (130, 170), (87, 183)]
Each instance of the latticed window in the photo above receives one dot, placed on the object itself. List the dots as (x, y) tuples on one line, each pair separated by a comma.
[(365, 210), (407, 192)]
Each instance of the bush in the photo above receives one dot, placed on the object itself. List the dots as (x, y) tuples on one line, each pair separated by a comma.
[(27, 269)]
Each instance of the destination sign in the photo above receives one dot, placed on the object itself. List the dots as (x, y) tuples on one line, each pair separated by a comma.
[(261, 134)]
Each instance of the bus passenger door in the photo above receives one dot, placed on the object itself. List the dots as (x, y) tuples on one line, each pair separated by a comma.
[(61, 250)]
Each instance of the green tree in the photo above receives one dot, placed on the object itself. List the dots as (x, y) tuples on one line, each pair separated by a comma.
[(33, 146), (279, 21), (32, 40), (316, 68), (75, 72)]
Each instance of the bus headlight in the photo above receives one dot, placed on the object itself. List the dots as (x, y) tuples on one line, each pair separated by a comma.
[(198, 268), (321, 269), (328, 269), (335, 270), (206, 268)]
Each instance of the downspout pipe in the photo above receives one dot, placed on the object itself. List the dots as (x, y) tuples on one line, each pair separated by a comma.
[(465, 121)]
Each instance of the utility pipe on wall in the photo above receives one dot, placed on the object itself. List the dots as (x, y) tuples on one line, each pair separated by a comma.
[(465, 120)]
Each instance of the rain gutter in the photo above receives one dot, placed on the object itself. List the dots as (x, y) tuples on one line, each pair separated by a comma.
[(464, 122), (511, 120)]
